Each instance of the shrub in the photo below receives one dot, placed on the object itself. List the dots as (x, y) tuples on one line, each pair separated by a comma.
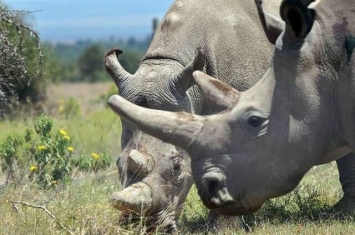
[(45, 156), (94, 163), (52, 154)]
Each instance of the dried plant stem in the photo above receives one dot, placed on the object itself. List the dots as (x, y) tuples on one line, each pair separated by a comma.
[(45, 209), (40, 55)]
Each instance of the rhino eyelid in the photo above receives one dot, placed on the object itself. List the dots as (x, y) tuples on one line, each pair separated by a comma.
[(256, 121), (177, 167)]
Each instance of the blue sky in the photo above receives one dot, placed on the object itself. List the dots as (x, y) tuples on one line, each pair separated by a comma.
[(70, 20)]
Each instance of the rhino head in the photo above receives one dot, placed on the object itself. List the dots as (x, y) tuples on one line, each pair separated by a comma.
[(155, 176), (269, 136)]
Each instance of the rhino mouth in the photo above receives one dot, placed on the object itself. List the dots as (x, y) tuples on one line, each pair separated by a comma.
[(235, 209), (149, 223)]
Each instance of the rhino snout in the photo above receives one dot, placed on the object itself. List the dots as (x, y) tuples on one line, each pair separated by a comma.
[(213, 190), (136, 198)]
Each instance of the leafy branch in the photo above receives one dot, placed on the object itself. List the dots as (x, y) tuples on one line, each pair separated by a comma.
[(15, 66)]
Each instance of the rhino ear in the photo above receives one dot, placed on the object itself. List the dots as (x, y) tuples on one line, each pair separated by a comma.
[(219, 94), (185, 77), (298, 17), (272, 25)]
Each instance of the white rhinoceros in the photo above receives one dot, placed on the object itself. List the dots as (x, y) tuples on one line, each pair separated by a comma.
[(300, 114), (156, 176)]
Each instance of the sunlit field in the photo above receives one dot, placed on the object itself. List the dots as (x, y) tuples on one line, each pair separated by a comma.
[(81, 205)]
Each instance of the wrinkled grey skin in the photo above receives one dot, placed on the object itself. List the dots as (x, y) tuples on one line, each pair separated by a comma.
[(156, 176), (300, 114)]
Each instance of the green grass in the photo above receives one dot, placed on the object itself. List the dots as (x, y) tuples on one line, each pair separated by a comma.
[(83, 207), (300, 212)]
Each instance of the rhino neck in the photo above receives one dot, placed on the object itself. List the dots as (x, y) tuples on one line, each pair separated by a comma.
[(335, 35)]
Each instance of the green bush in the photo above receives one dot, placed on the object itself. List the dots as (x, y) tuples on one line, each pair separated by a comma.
[(52, 154), (10, 155), (45, 156), (94, 163), (26, 65)]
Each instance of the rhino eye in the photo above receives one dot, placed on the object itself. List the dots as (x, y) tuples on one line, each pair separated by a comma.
[(255, 121), (176, 166)]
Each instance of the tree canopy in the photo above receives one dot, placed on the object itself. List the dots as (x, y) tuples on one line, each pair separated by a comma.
[(21, 59)]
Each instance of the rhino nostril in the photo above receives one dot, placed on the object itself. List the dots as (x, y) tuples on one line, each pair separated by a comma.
[(214, 190), (212, 187)]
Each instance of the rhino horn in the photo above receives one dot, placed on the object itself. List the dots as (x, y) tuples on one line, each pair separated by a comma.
[(176, 128), (217, 93), (137, 198), (139, 163), (114, 68), (185, 77)]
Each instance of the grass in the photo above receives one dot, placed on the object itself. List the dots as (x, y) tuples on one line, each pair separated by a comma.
[(82, 207)]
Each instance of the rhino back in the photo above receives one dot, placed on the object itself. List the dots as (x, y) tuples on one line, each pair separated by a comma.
[(228, 31)]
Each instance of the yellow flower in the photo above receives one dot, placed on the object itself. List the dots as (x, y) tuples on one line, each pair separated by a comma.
[(70, 149), (42, 147), (61, 109), (33, 168), (63, 132), (66, 137), (95, 156)]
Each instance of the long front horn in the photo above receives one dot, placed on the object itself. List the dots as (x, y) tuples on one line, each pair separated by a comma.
[(180, 129), (114, 68)]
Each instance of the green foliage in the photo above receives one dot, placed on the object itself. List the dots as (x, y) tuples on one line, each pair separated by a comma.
[(69, 108), (11, 160), (94, 163), (130, 60), (52, 154), (45, 156), (69, 53), (20, 53), (83, 60), (23, 63), (90, 64)]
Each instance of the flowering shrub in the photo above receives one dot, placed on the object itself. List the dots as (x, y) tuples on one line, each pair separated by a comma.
[(52, 156), (45, 156), (94, 163)]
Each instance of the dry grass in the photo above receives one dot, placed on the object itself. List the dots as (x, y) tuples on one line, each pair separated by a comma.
[(85, 93), (82, 207)]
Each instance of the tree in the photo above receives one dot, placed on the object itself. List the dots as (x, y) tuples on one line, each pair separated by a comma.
[(130, 60), (21, 60), (90, 63)]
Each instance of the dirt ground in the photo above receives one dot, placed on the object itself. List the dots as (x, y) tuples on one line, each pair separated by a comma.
[(86, 94)]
